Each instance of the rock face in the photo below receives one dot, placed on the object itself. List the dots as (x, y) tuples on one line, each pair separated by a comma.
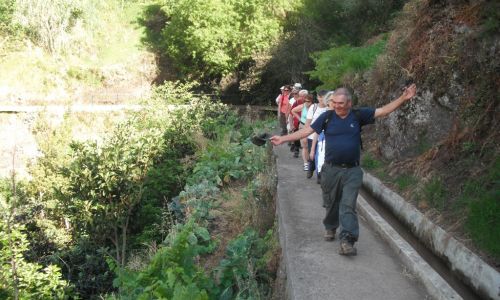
[(416, 126), (454, 57)]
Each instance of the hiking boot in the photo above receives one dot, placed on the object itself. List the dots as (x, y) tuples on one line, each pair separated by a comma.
[(329, 235), (347, 248), (309, 173)]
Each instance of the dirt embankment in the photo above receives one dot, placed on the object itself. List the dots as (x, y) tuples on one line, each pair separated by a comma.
[(437, 148)]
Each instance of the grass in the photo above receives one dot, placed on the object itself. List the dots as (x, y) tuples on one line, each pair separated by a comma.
[(482, 198), (435, 193), (405, 181), (107, 48), (369, 162)]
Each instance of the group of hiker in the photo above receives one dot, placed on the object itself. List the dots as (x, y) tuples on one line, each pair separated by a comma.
[(329, 134)]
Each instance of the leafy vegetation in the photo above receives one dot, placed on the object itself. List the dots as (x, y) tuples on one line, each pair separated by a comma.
[(210, 39), (333, 65), (92, 206), (19, 278)]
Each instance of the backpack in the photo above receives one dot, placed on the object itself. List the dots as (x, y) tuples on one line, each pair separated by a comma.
[(357, 115)]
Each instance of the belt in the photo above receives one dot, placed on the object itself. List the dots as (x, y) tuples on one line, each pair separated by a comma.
[(343, 165)]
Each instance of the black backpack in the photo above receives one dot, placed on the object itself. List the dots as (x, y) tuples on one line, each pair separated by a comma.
[(357, 115)]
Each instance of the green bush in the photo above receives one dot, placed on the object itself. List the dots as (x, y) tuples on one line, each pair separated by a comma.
[(173, 272), (334, 64), (28, 280), (204, 38), (6, 13), (243, 270)]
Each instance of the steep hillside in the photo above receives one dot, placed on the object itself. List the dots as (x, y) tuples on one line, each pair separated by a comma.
[(442, 149), (72, 51)]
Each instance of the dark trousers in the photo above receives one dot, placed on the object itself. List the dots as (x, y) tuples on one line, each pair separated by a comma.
[(312, 164), (283, 122), (340, 188)]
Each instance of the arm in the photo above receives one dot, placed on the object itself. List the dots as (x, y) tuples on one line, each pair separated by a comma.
[(279, 107), (392, 106), (296, 110), (313, 146), (297, 135)]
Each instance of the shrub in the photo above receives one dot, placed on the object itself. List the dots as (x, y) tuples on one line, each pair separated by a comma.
[(172, 273), (334, 64), (20, 279)]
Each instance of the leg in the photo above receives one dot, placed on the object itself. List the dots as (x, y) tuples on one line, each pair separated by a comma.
[(347, 209), (305, 154), (331, 183)]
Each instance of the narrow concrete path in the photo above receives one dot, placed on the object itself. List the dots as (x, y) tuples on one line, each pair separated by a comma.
[(314, 269)]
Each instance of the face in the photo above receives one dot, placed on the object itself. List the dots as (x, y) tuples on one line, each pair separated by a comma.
[(340, 104)]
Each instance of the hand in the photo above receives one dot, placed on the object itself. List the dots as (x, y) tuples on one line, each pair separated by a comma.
[(276, 140), (311, 156), (409, 92)]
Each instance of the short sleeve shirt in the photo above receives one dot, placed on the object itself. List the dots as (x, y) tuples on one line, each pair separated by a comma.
[(313, 113), (343, 136)]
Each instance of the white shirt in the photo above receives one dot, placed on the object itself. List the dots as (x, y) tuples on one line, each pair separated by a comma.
[(313, 113)]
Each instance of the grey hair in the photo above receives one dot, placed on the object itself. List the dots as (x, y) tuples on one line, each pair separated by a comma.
[(345, 92), (327, 97), (303, 92)]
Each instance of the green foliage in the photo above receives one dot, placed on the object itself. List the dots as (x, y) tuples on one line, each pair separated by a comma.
[(204, 38), (106, 184), (225, 162), (19, 278), (490, 13), (435, 193), (172, 273), (243, 269), (483, 222), (369, 162), (6, 13), (173, 92), (334, 64), (405, 181)]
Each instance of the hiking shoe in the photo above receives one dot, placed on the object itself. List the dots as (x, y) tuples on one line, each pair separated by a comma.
[(346, 248), (306, 167), (329, 235)]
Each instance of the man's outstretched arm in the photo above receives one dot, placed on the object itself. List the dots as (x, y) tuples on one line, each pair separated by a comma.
[(297, 135), (408, 93)]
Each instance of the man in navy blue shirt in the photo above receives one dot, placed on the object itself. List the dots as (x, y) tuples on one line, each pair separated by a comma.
[(341, 176)]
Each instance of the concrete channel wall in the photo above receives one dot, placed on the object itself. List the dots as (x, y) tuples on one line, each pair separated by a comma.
[(480, 276)]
